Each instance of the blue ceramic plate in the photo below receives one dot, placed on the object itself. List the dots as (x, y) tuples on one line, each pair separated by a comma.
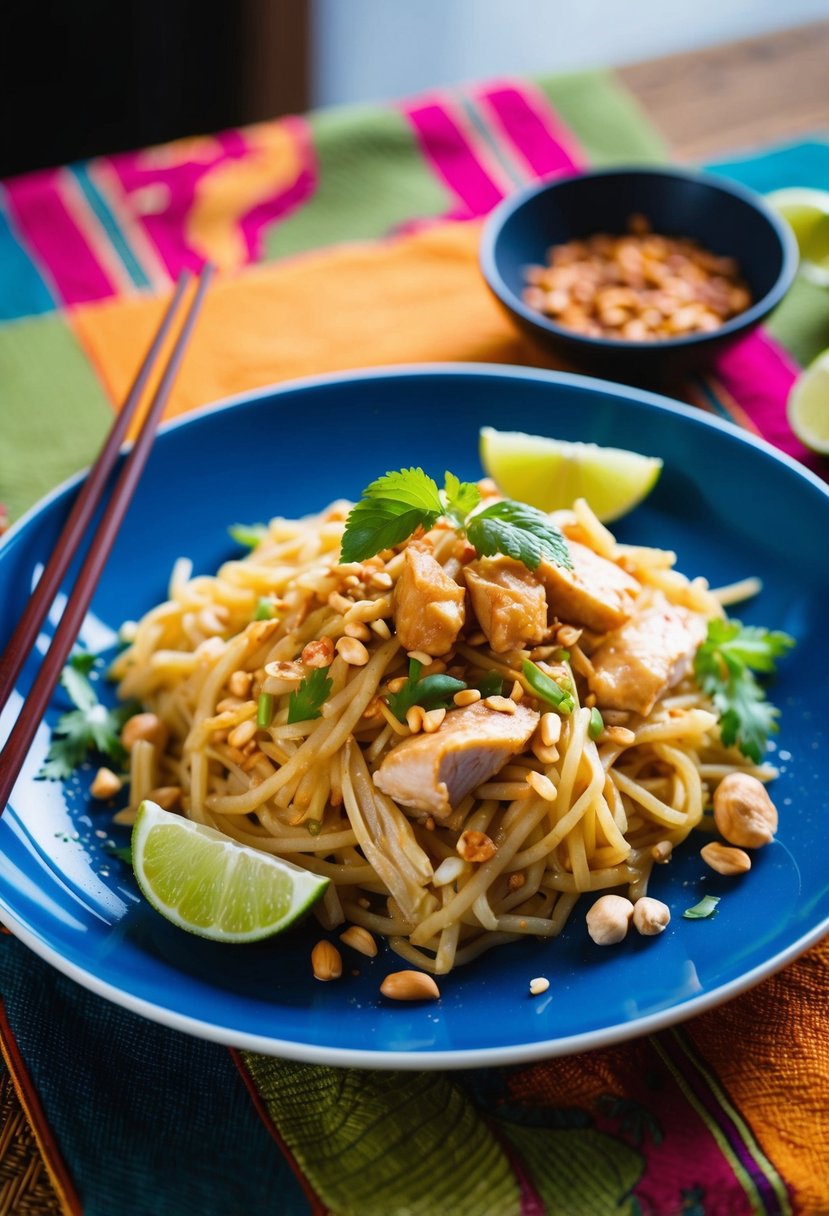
[(726, 503)]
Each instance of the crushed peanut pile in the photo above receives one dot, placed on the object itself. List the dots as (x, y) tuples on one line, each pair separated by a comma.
[(639, 286)]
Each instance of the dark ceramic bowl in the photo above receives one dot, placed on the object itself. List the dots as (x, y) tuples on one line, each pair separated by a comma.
[(723, 217)]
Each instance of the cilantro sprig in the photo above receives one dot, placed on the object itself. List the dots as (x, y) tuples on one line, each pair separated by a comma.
[(89, 729), (310, 696), (395, 505), (724, 668), (430, 692)]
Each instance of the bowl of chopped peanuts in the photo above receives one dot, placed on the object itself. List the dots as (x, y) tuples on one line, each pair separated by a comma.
[(637, 272)]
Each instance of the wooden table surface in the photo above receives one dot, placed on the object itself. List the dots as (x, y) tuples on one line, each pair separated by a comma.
[(738, 94)]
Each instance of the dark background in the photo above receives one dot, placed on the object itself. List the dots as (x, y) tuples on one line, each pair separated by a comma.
[(80, 78)]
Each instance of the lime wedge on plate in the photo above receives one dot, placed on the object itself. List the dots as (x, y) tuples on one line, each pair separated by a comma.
[(807, 213), (551, 474), (808, 405), (208, 884)]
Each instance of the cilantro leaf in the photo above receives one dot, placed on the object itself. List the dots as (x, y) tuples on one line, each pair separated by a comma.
[(391, 509), (248, 535), (88, 728), (412, 487), (396, 504), (81, 692), (308, 699), (83, 661), (752, 645), (379, 523), (459, 498), (518, 530), (723, 668)]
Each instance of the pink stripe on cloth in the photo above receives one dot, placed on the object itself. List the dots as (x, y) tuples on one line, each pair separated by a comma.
[(260, 217), (61, 249), (534, 129), (160, 185), (759, 375), (452, 157)]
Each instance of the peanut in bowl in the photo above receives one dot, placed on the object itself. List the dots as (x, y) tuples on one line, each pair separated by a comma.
[(642, 272)]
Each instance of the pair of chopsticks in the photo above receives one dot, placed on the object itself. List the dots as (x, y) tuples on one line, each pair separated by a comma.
[(90, 496)]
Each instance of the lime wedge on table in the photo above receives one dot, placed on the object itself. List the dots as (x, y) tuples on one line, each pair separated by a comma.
[(208, 884), (807, 213), (808, 405), (552, 473)]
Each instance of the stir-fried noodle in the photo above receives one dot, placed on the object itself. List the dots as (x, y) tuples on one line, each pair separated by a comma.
[(578, 808)]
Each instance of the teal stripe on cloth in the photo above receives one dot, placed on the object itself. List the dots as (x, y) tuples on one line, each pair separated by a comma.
[(801, 322), (109, 223), (25, 291), (149, 1121), (805, 163)]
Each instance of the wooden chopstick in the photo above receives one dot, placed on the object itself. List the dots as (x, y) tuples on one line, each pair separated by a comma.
[(89, 495), (34, 706)]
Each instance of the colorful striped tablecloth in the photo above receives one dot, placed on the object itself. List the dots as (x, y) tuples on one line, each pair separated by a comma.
[(349, 238)]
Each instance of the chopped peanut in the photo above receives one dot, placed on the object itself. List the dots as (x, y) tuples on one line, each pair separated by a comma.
[(549, 728), (542, 785), (467, 696), (661, 851), (725, 860), (475, 846), (326, 962), (650, 916), (144, 726), (608, 919), (105, 784), (637, 286), (359, 939), (319, 653), (239, 684), (352, 651), (168, 797), (242, 734), (410, 986), (743, 812)]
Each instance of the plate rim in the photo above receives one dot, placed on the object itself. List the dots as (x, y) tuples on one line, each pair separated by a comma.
[(456, 1058), (648, 397)]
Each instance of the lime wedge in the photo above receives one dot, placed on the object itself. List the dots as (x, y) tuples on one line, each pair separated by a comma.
[(807, 213), (808, 405), (208, 884), (552, 473)]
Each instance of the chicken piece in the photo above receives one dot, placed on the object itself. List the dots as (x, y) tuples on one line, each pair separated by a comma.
[(508, 601), (596, 593), (433, 773), (429, 606), (651, 653)]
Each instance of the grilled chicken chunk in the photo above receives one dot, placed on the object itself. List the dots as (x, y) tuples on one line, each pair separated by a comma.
[(651, 653), (596, 593), (429, 606), (508, 601), (433, 773)]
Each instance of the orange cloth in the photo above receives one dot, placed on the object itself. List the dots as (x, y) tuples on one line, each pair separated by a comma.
[(419, 298)]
